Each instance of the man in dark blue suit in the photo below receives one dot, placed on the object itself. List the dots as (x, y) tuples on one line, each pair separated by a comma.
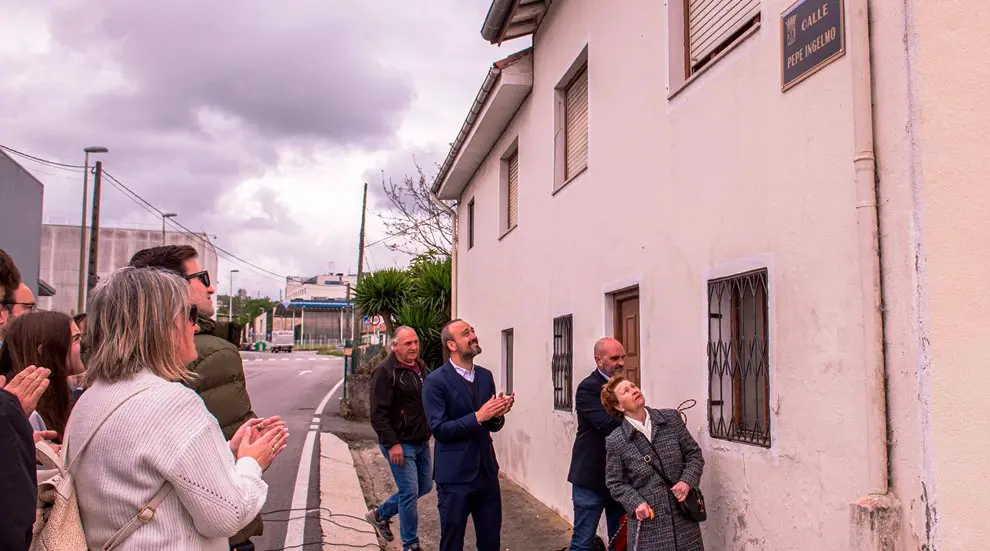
[(463, 411), (587, 473)]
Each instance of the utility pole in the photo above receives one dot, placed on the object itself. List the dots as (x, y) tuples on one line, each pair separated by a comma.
[(82, 227), (230, 312), (356, 323), (164, 216), (94, 236)]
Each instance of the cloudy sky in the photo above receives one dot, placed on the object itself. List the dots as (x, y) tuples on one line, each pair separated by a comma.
[(256, 121)]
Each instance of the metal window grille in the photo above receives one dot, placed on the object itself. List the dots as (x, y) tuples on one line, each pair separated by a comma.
[(739, 359), (508, 343), (563, 362)]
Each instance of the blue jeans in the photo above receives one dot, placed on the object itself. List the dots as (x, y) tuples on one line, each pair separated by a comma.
[(588, 507), (414, 479)]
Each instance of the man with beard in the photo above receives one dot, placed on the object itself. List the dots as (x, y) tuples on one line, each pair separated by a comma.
[(463, 411)]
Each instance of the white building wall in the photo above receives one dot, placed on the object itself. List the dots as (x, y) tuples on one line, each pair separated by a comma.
[(728, 175), (60, 257)]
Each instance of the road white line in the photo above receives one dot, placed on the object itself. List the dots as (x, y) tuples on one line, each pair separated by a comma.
[(323, 404), (295, 531), (305, 371)]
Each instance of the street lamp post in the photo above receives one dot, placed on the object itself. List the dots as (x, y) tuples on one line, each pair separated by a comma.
[(82, 227), (230, 311), (164, 216)]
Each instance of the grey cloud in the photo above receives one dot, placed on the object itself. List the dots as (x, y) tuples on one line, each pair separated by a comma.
[(307, 71), (193, 98)]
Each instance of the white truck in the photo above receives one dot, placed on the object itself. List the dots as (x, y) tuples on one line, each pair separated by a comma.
[(282, 341)]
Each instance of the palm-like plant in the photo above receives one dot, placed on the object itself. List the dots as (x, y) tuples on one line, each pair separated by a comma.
[(382, 293), (431, 284), (427, 324)]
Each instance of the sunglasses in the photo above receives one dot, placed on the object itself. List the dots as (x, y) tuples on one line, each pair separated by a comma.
[(29, 306), (193, 314), (203, 277)]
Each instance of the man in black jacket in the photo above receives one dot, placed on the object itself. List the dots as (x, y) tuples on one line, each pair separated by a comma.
[(399, 419), (587, 473)]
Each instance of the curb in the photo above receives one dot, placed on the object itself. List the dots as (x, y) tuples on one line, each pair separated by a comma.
[(342, 500)]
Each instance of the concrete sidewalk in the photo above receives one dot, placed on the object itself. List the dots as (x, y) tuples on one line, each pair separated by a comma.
[(341, 499), (527, 524)]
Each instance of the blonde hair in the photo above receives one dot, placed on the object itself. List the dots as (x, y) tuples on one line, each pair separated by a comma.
[(134, 325)]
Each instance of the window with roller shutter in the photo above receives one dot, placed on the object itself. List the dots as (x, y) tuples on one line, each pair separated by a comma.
[(712, 25), (512, 192), (576, 125)]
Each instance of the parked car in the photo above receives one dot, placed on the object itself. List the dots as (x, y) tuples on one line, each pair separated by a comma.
[(282, 341)]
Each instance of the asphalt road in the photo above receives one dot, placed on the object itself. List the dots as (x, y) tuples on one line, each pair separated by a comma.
[(293, 386)]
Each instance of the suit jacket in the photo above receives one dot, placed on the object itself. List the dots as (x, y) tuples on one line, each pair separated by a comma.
[(463, 446), (633, 479), (588, 456)]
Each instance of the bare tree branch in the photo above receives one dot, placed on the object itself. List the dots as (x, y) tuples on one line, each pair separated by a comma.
[(414, 224)]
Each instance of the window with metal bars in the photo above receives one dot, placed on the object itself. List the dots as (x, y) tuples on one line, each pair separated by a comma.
[(508, 344), (562, 365), (739, 359)]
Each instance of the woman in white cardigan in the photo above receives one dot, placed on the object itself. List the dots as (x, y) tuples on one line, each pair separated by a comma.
[(160, 438)]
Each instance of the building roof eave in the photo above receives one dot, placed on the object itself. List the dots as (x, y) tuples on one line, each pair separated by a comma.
[(505, 88), (508, 19)]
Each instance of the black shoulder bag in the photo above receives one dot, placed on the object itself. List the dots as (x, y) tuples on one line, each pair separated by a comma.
[(693, 506)]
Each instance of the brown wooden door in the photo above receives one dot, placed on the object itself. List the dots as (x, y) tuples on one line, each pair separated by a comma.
[(627, 331)]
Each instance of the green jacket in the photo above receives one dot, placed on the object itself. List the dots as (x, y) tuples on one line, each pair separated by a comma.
[(220, 383)]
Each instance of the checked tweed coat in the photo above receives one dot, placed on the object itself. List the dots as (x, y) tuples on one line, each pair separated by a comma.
[(631, 480)]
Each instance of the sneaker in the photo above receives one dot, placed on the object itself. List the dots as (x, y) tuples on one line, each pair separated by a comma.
[(414, 547), (380, 525)]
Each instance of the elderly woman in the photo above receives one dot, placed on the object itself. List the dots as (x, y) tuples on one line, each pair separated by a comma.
[(650, 442), (139, 437)]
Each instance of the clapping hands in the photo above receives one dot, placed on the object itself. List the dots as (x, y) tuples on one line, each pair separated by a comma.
[(262, 439), (27, 386), (496, 406)]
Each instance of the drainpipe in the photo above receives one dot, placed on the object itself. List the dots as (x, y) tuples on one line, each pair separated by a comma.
[(875, 518), (869, 243), (453, 251)]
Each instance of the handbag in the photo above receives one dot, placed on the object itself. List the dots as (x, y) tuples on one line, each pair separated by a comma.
[(57, 525), (693, 506)]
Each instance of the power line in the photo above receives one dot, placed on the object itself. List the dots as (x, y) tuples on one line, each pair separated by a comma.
[(412, 227), (143, 203), (172, 222), (40, 160)]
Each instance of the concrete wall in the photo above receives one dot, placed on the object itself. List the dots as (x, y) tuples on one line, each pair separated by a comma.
[(60, 257), (21, 196), (728, 175), (935, 215)]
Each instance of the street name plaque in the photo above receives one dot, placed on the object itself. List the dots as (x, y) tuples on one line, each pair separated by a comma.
[(813, 35)]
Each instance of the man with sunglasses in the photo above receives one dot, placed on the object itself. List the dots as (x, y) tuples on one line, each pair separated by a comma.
[(16, 298), (220, 382)]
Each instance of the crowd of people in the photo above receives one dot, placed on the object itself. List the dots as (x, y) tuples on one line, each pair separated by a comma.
[(638, 465), (143, 397)]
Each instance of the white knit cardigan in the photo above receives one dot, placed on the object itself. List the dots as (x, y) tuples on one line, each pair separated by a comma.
[(163, 434)]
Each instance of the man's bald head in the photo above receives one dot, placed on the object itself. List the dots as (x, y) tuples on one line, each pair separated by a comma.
[(405, 345), (610, 356)]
